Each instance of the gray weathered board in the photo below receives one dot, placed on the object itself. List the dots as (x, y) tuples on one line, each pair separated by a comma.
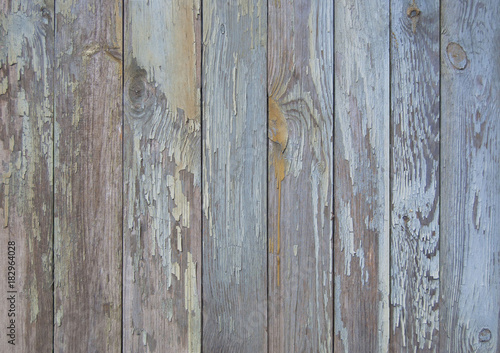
[(249, 176)]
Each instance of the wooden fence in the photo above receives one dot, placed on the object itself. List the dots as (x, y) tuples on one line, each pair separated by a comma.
[(250, 176)]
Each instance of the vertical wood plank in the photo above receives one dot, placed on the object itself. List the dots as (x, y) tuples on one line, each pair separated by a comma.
[(300, 179), (361, 176), (88, 176), (415, 176), (162, 183), (26, 137), (470, 183), (234, 176)]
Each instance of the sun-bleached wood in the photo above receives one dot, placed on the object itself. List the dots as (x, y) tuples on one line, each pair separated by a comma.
[(88, 176)]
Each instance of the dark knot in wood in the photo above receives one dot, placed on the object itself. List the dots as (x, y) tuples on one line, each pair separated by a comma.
[(485, 335), (457, 56), (140, 96), (413, 11)]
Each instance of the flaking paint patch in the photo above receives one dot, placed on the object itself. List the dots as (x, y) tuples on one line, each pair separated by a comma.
[(179, 238), (175, 188), (59, 316), (176, 270), (340, 329), (346, 226), (191, 304), (33, 299), (6, 180), (4, 85)]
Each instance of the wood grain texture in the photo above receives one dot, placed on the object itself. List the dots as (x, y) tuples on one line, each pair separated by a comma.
[(470, 183), (234, 176), (300, 176), (88, 176), (415, 176), (26, 137), (162, 182), (361, 176)]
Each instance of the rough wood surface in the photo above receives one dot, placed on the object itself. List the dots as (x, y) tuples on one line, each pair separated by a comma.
[(415, 176), (234, 176), (470, 183), (88, 176), (162, 166), (26, 116), (361, 176), (300, 176)]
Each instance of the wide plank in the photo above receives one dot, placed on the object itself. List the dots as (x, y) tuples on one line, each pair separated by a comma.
[(415, 176), (234, 171), (470, 183), (26, 139), (300, 175), (361, 176), (88, 176), (162, 177)]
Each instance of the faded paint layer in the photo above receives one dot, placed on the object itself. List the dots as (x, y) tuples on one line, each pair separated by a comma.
[(300, 178), (234, 176), (162, 214), (26, 140)]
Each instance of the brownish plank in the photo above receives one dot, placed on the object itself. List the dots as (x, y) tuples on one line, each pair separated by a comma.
[(470, 182), (415, 176), (234, 176), (26, 138), (300, 189), (361, 176), (162, 217), (88, 176)]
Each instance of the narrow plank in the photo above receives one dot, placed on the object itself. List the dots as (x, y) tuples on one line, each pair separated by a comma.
[(300, 175), (470, 183), (88, 176), (26, 126), (415, 176), (162, 182), (361, 176), (234, 176)]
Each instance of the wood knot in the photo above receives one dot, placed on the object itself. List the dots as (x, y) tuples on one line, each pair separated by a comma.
[(140, 96), (45, 13), (413, 13), (484, 335), (457, 56)]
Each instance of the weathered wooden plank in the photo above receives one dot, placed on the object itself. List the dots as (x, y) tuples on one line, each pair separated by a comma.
[(88, 176), (300, 176), (361, 176), (162, 183), (234, 176), (26, 125), (470, 183), (415, 176)]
